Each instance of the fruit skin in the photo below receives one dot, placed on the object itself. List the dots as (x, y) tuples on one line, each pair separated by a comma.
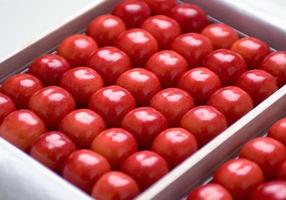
[(204, 122), (52, 149), (240, 177), (193, 46), (115, 185), (168, 66), (222, 36), (132, 12), (52, 104), (278, 131), (190, 17), (138, 44), (84, 167), (173, 103), (112, 103), (110, 63), (175, 145), (159, 7), (20, 88), (81, 82), (105, 29), (145, 167), (82, 126), (273, 190), (6, 106), (49, 68), (200, 83), (77, 49), (281, 175), (144, 123), (232, 101), (142, 84), (21, 128)]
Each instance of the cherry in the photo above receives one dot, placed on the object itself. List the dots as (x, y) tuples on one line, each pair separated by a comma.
[(161, 6), (281, 174), (142, 84), (273, 190), (6, 106), (278, 131)]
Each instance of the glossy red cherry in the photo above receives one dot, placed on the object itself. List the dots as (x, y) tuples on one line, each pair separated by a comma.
[(105, 29), (268, 153), (138, 44), (84, 167), (222, 36), (232, 101), (52, 104), (204, 122), (275, 64), (144, 123), (175, 145), (49, 68), (278, 131), (200, 83), (173, 103), (112, 103), (190, 17), (161, 6), (6, 106), (163, 28), (146, 167), (21, 128), (52, 149), (115, 186), (273, 190), (20, 88), (251, 49), (193, 46), (168, 65), (211, 191), (115, 144), (82, 126), (227, 64), (142, 84), (281, 174), (109, 62), (77, 49), (240, 177), (81, 82), (259, 84)]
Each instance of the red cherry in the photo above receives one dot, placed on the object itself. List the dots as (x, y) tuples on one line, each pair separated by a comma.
[(138, 44), (273, 190), (278, 131), (132, 12), (105, 29), (200, 83), (163, 28), (211, 190), (232, 101), (259, 84), (251, 49), (82, 126), (21, 128), (49, 68), (205, 122), (84, 167), (240, 177), (112, 103), (168, 65), (161, 6), (173, 103), (145, 123), (142, 84), (52, 149), (6, 106), (227, 64), (281, 174), (77, 49), (193, 46), (115, 185), (275, 64), (115, 144), (81, 82), (20, 88), (109, 62), (175, 145), (190, 17), (222, 36), (146, 167), (52, 104)]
